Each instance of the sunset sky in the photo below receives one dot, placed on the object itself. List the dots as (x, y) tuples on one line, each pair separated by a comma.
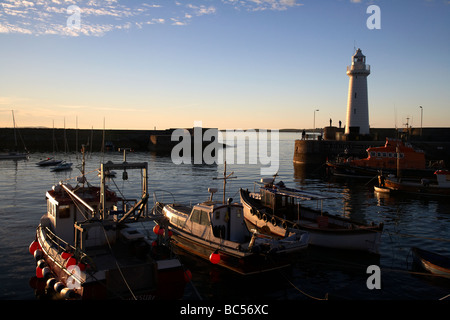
[(228, 63)]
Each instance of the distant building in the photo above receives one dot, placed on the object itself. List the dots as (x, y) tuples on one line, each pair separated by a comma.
[(357, 104)]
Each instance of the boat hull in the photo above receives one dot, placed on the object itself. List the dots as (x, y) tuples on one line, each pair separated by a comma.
[(432, 262), (416, 188), (345, 234), (239, 262), (354, 171)]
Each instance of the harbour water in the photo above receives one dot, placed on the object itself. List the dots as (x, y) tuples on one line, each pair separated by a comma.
[(315, 274)]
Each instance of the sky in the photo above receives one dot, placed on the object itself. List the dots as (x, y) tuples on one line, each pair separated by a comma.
[(231, 64)]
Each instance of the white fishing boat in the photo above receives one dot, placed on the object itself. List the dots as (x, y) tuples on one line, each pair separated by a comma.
[(88, 245), (276, 209), (216, 230), (439, 187)]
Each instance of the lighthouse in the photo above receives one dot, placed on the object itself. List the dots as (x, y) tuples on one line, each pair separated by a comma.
[(357, 103)]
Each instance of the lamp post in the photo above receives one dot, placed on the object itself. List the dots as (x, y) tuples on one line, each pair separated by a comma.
[(421, 117), (314, 124)]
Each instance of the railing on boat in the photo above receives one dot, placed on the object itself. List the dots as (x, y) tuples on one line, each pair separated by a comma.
[(61, 246)]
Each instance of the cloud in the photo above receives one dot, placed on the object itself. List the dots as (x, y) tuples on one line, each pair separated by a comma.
[(98, 17), (259, 5), (75, 18)]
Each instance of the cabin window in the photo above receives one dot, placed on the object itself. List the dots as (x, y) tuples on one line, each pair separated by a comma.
[(195, 217), (373, 153), (200, 217), (64, 211), (379, 154), (51, 208), (390, 155), (384, 154)]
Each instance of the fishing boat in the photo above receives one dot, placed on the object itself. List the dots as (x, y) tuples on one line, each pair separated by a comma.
[(48, 162), (381, 188), (394, 156), (276, 209), (427, 187), (216, 231), (63, 166), (432, 262), (88, 244)]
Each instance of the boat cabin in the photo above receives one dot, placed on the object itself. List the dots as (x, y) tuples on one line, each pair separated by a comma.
[(64, 212), (283, 201), (214, 218), (393, 153)]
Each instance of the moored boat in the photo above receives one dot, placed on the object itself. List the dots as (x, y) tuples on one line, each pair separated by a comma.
[(277, 210), (394, 156), (217, 231), (88, 246), (48, 162), (433, 262), (63, 166), (439, 187)]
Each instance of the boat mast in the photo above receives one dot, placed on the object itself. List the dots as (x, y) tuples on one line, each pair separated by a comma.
[(14, 125), (225, 177)]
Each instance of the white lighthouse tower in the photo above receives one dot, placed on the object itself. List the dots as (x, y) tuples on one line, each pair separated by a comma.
[(357, 103)]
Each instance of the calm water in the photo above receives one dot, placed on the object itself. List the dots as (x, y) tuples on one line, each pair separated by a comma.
[(409, 221)]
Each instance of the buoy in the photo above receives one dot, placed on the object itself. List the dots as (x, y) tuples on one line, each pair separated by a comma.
[(156, 229), (67, 293), (65, 255), (41, 263), (214, 257), (187, 276), (71, 261), (34, 246), (39, 274), (51, 283), (46, 272), (58, 286), (37, 254)]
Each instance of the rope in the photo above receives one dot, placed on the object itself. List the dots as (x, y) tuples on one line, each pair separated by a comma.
[(297, 288)]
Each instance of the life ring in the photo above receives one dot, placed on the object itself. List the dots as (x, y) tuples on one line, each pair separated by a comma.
[(274, 221)]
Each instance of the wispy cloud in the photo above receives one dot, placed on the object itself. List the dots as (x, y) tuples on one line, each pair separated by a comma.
[(98, 17), (259, 5), (74, 18)]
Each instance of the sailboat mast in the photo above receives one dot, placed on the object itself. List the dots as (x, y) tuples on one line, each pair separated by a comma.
[(14, 125)]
